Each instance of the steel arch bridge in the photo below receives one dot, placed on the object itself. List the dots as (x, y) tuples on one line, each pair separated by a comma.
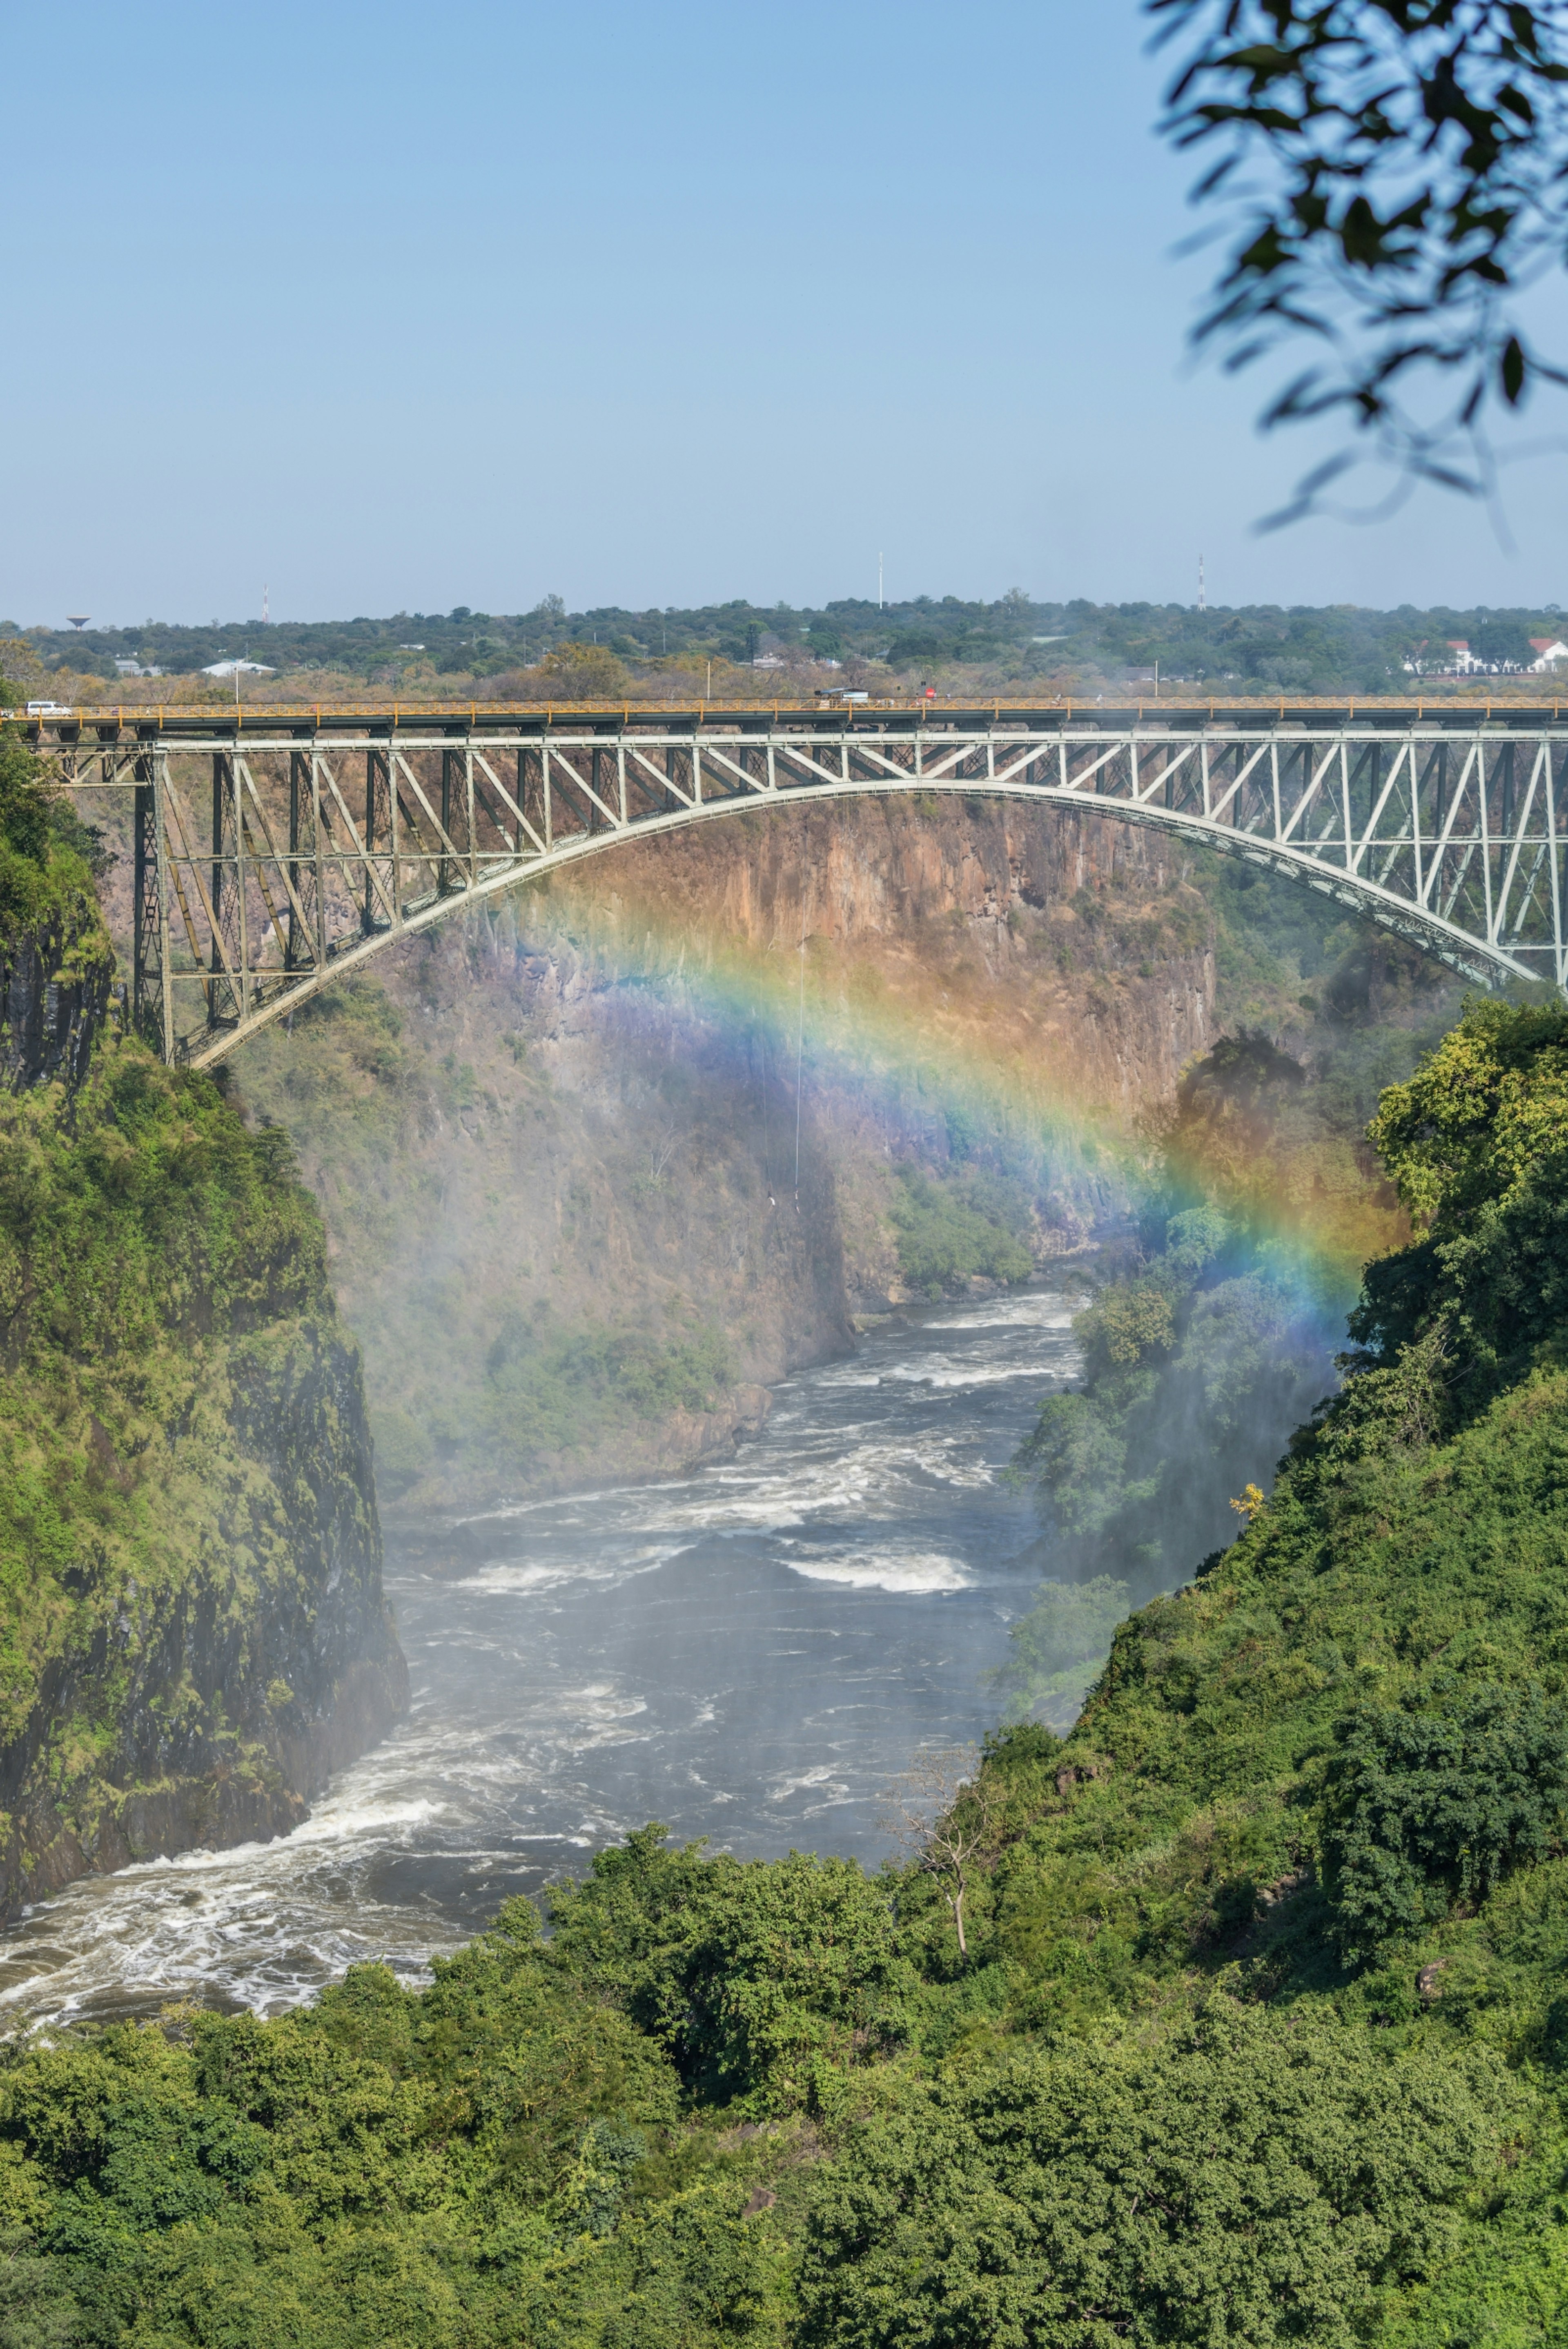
[(274, 854)]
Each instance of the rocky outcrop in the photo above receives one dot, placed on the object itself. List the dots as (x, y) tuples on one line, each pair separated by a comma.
[(55, 976), (597, 1106), (1024, 977), (1083, 938), (193, 1631)]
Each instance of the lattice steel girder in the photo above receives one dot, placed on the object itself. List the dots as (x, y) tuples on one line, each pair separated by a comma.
[(1452, 836)]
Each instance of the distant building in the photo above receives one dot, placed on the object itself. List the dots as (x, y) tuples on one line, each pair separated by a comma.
[(135, 668), (238, 668), (1548, 651), (1451, 658)]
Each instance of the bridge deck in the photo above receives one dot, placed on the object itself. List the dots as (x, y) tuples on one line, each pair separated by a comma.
[(177, 722)]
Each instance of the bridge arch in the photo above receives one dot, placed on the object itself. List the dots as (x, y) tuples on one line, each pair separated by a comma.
[(269, 864)]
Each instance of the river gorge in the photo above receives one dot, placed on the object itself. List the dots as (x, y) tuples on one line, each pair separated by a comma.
[(573, 1382), (748, 1652), (604, 1188)]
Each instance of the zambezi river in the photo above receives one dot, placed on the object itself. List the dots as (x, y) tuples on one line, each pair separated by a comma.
[(750, 1653)]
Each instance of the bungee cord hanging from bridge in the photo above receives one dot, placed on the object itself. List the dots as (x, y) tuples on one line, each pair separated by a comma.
[(273, 855)]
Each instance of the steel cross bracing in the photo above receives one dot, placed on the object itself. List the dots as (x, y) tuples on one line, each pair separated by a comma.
[(265, 866)]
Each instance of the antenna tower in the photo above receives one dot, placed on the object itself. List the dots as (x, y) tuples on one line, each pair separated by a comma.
[(1202, 604), (266, 614)]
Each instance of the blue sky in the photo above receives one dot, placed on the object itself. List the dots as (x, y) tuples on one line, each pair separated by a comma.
[(396, 307)]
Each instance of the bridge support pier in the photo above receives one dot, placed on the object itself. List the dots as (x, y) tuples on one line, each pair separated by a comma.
[(151, 1003)]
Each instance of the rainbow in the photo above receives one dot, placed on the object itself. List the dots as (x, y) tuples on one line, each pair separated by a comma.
[(933, 1065)]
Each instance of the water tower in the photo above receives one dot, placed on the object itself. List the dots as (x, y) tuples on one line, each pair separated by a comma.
[(78, 619)]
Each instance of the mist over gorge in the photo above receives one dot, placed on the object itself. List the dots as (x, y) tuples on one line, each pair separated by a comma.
[(580, 1110), (784, 1378), (600, 1988)]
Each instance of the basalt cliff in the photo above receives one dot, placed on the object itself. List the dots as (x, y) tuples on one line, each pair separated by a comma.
[(602, 1162), (192, 1633)]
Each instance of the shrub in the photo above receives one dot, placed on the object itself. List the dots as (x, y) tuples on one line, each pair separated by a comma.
[(761, 1980), (1427, 1809), (950, 1231)]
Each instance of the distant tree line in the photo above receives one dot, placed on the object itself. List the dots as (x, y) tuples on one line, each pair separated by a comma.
[(1264, 648)]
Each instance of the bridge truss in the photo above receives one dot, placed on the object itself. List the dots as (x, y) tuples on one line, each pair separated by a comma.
[(267, 862)]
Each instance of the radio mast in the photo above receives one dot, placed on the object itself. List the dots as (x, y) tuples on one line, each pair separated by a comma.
[(1202, 604)]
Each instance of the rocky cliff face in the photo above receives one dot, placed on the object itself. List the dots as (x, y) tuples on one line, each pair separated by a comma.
[(1084, 940), (204, 1706), (54, 975), (1018, 975), (572, 1120), (192, 1633)]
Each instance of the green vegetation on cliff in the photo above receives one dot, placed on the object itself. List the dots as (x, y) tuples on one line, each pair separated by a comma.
[(951, 1230), (1261, 2037), (1199, 1359), (189, 1554)]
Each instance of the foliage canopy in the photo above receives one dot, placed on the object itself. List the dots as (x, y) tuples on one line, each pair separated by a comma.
[(1394, 171)]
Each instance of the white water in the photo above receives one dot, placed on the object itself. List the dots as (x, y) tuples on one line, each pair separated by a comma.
[(749, 1652)]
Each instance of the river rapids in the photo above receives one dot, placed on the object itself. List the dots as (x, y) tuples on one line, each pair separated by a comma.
[(749, 1652)]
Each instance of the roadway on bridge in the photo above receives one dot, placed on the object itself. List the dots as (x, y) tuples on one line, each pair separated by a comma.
[(189, 722)]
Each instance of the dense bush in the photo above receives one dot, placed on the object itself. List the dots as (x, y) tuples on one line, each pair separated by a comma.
[(48, 858), (951, 1229), (1427, 1809), (1248, 2183), (761, 1980), (24, 801), (1476, 1143)]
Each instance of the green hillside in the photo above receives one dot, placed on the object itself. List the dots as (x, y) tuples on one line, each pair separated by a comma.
[(1261, 2036)]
